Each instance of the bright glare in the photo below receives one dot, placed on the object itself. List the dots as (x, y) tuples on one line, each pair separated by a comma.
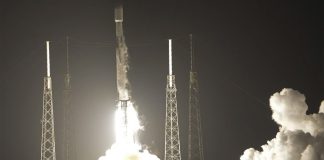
[(126, 146), (126, 124)]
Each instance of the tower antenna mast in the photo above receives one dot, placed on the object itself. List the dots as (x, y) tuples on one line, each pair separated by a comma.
[(67, 55), (195, 141), (48, 133), (191, 53), (172, 140), (68, 131)]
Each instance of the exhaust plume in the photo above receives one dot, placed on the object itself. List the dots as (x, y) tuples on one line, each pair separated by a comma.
[(300, 136), (126, 147)]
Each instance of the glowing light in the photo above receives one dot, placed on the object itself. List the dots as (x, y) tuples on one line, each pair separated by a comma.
[(126, 131), (126, 146)]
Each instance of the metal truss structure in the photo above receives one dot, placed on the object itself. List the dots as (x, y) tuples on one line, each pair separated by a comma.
[(48, 133), (172, 140), (68, 132), (195, 141)]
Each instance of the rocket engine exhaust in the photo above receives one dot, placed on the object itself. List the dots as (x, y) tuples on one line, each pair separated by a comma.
[(125, 119)]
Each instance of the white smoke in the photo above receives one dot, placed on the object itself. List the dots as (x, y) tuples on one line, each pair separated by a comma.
[(300, 136)]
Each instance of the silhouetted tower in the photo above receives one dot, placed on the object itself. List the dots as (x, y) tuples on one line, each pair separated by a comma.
[(195, 142), (48, 135), (172, 141), (68, 144)]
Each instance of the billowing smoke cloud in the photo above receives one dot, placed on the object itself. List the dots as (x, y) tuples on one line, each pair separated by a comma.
[(300, 136), (123, 84)]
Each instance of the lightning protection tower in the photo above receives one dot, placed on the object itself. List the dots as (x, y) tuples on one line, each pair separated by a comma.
[(195, 143), (172, 141), (68, 145), (48, 136)]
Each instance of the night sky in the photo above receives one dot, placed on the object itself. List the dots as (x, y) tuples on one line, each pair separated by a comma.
[(245, 51)]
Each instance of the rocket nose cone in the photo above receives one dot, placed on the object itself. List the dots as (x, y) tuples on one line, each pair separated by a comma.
[(119, 13)]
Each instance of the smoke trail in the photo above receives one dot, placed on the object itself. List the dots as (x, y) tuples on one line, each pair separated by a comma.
[(122, 66), (300, 136)]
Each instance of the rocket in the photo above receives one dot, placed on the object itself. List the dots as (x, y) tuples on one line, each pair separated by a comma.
[(121, 56), (122, 79)]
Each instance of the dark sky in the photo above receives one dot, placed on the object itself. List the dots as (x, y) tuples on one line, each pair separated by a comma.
[(245, 52)]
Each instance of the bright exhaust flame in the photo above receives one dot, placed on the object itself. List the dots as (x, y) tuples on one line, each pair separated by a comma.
[(126, 127), (126, 146)]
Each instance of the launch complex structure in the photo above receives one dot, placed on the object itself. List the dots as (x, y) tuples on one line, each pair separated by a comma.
[(69, 152), (48, 133), (172, 141), (126, 134), (195, 140)]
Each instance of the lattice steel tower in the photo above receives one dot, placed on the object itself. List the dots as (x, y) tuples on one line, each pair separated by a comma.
[(172, 140), (68, 143), (48, 135), (195, 142)]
